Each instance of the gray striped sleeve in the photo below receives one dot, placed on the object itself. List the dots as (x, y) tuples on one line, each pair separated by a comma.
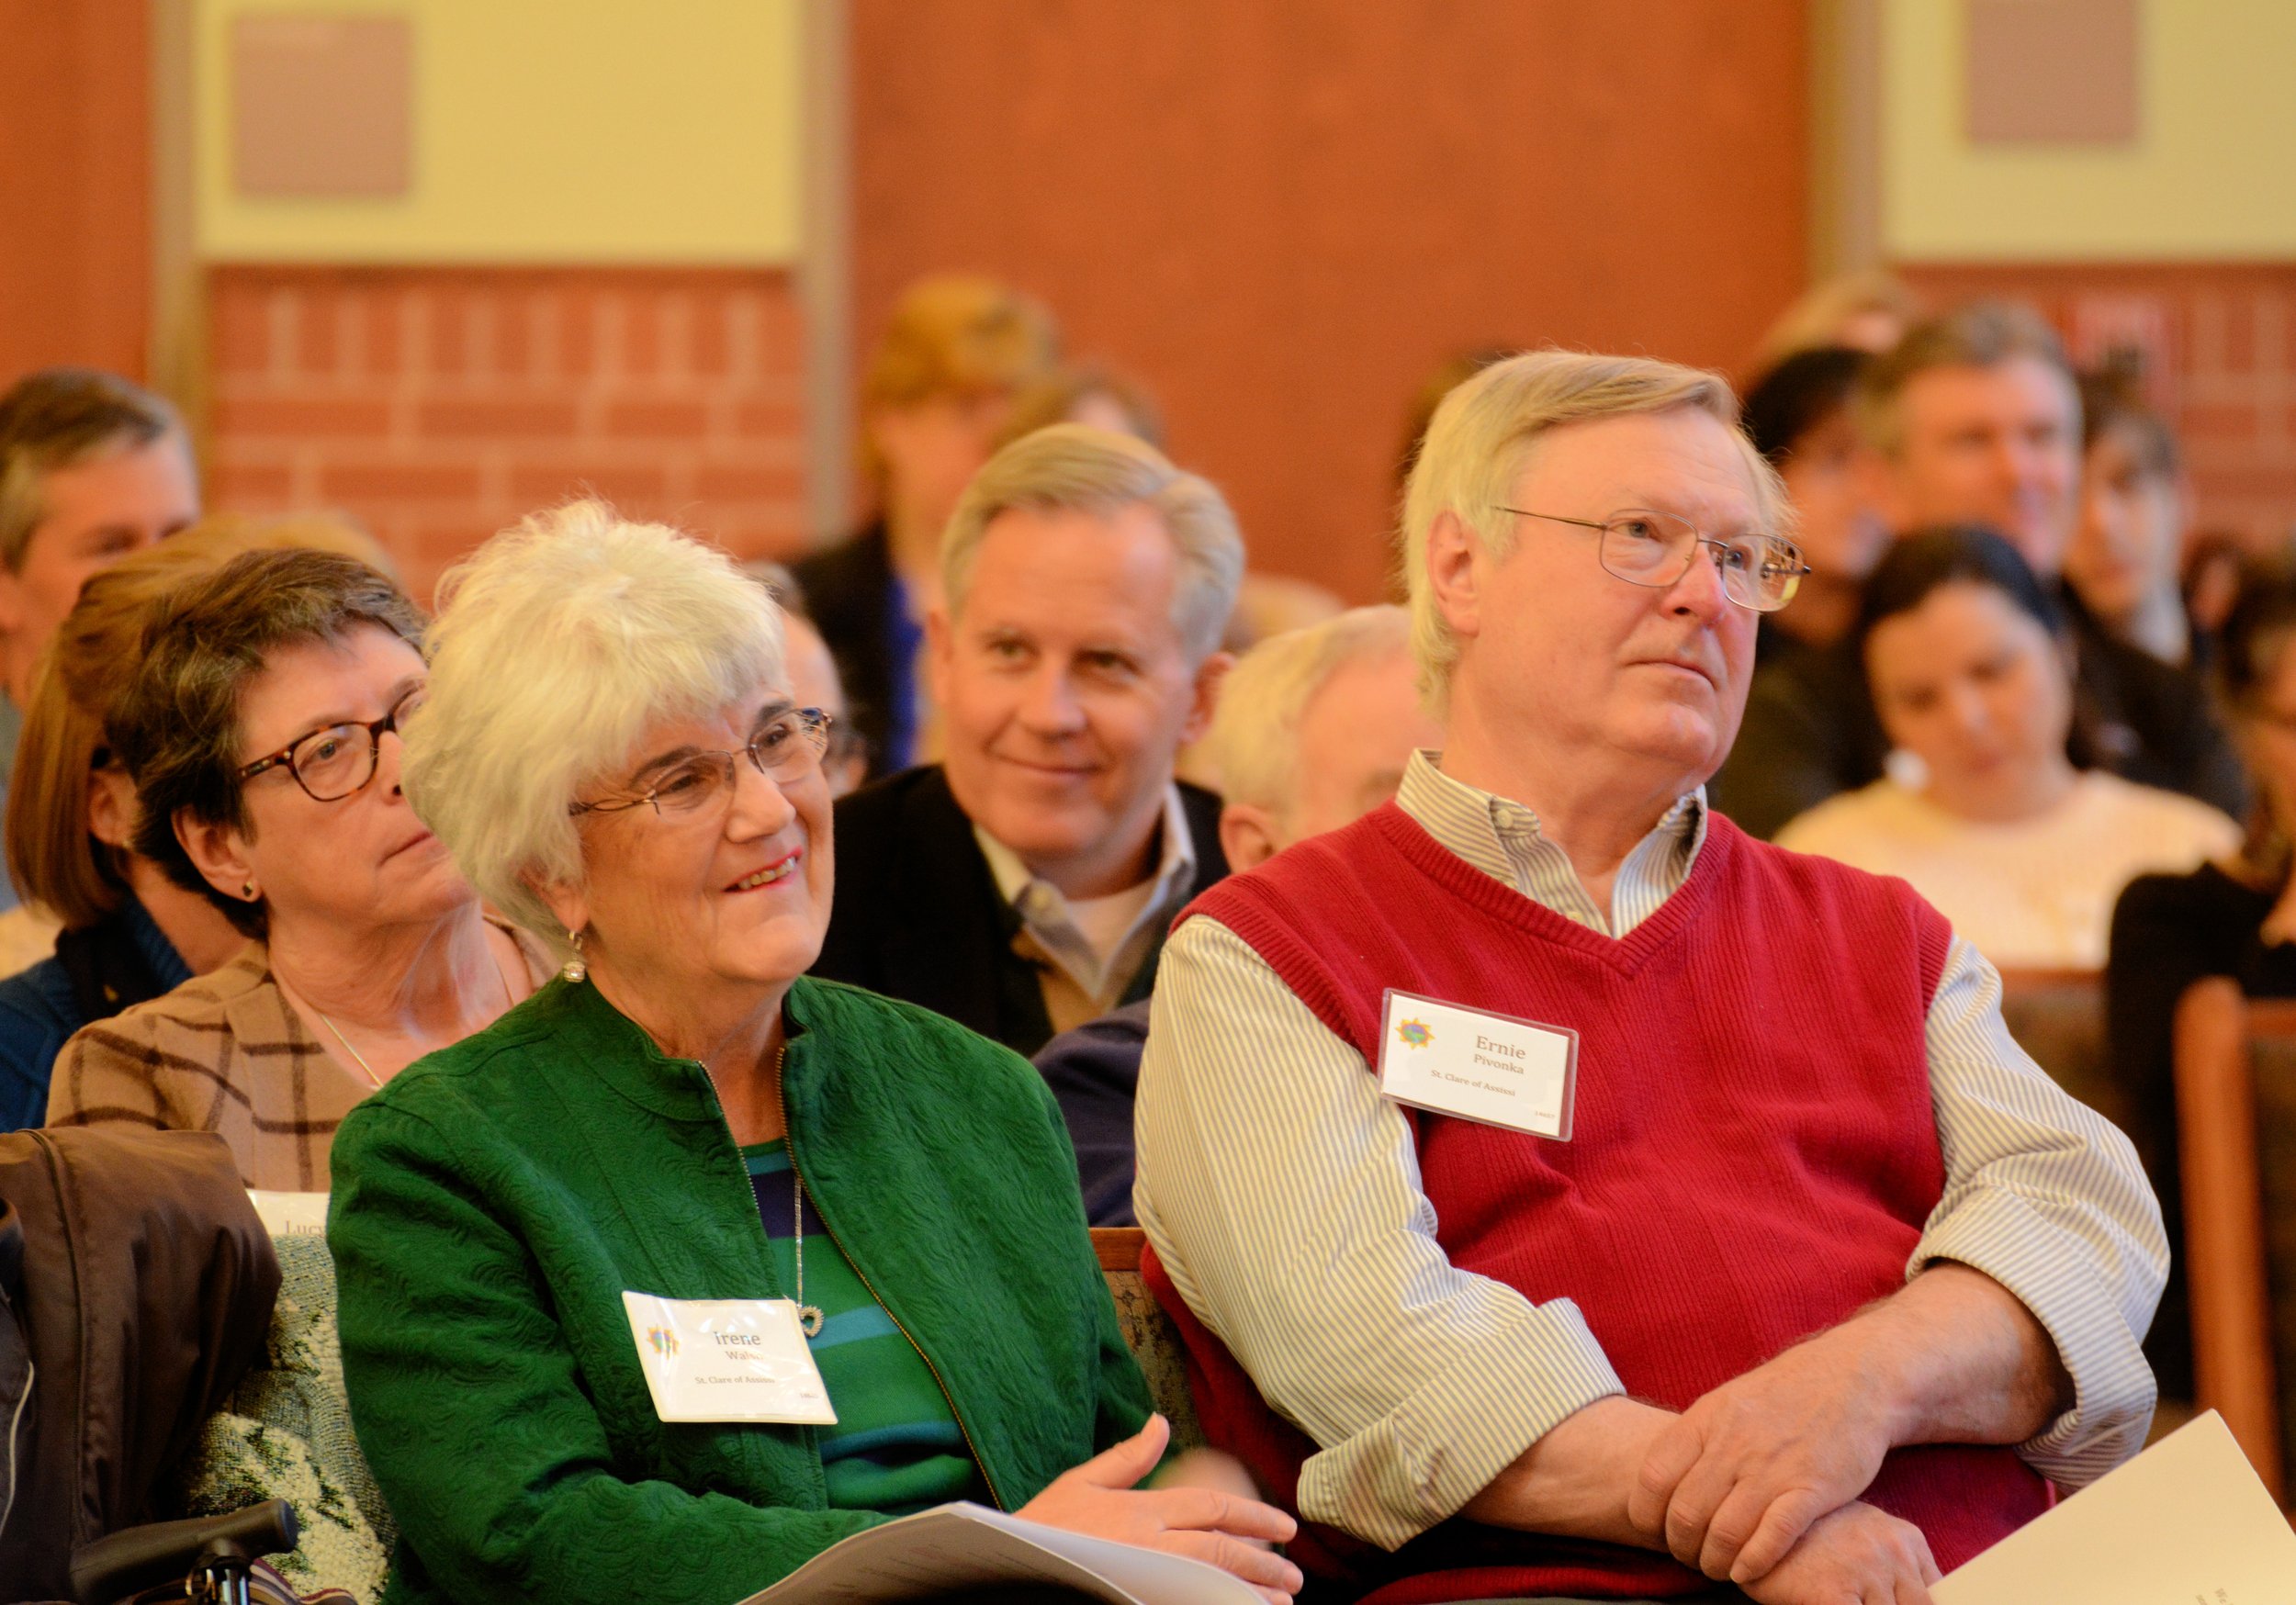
[(1282, 1192), (2046, 1197)]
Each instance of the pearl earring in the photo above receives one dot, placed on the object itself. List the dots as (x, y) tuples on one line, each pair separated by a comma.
[(575, 971)]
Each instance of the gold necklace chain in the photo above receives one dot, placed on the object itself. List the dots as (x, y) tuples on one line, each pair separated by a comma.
[(809, 1316), (510, 1001)]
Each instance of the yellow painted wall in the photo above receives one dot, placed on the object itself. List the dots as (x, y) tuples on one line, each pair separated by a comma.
[(2212, 174), (546, 131)]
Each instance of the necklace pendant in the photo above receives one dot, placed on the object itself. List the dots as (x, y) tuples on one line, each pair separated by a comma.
[(809, 1319)]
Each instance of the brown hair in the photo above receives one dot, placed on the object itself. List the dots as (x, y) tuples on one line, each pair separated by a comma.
[(2112, 402), (177, 726), (57, 418), (53, 858), (956, 335), (2257, 634), (1983, 335)]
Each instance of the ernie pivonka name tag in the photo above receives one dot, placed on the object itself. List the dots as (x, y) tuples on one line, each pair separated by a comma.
[(1476, 1065)]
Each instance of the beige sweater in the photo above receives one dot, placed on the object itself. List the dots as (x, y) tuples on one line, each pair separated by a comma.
[(224, 1052)]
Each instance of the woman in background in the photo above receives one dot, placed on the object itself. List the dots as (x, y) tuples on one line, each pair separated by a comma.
[(2020, 848), (2235, 918), (2126, 559), (261, 735), (127, 932)]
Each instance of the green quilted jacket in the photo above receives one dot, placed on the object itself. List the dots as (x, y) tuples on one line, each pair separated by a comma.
[(493, 1201)]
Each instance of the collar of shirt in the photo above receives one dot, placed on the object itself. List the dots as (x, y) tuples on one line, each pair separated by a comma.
[(1051, 918), (1501, 837)]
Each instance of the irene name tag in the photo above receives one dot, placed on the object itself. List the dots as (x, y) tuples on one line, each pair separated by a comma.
[(727, 1360), (1478, 1066)]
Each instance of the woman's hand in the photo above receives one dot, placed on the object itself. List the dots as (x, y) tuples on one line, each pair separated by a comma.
[(1100, 1499)]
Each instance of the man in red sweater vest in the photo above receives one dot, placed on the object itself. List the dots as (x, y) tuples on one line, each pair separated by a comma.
[(1563, 1194)]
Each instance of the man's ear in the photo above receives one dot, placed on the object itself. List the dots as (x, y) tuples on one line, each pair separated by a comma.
[(940, 650), (1882, 478), (219, 853), (1454, 574), (1204, 695), (1247, 835)]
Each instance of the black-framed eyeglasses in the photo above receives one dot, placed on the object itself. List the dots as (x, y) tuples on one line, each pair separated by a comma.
[(1644, 548), (786, 750), (335, 760)]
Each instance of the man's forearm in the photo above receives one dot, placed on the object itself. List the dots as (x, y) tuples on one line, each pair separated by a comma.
[(1962, 1361), (1575, 1480)]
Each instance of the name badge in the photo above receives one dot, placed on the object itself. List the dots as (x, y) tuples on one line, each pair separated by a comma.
[(727, 1360), (1489, 1067)]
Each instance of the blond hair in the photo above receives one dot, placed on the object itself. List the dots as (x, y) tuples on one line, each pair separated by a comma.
[(956, 335), (1254, 739), (1483, 436), (1074, 466)]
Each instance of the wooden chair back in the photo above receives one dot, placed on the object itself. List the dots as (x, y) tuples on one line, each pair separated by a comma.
[(2228, 1052), (2058, 1016)]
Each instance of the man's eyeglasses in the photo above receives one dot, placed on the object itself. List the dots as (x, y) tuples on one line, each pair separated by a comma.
[(332, 762), (1656, 549), (787, 749)]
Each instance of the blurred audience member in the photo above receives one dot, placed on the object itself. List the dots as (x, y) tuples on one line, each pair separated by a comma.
[(1798, 417), (2212, 563), (2127, 561), (957, 354), (1869, 311), (1969, 659), (121, 932), (1976, 419), (1023, 885), (1313, 730), (91, 469), (260, 735), (2235, 918), (813, 678), (1808, 1150), (1087, 393)]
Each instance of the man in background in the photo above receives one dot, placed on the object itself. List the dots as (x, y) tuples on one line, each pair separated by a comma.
[(91, 468), (1023, 885), (1974, 418), (1313, 730)]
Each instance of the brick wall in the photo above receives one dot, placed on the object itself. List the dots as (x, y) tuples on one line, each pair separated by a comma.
[(2219, 341), (436, 405)]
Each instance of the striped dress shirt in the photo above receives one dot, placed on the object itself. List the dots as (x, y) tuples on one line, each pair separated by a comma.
[(1282, 1192)]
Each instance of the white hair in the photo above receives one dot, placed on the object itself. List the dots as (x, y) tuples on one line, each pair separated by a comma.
[(558, 644), (1484, 434), (1254, 739), (1074, 466)]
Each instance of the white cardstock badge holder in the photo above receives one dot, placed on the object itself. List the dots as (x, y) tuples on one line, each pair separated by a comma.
[(1495, 1069), (727, 1360)]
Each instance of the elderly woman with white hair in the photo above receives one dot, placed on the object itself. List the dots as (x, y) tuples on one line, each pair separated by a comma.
[(692, 1266)]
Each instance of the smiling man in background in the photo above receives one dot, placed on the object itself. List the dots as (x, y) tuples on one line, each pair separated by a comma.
[(1023, 885)]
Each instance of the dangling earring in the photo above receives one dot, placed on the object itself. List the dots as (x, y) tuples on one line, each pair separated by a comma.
[(575, 971)]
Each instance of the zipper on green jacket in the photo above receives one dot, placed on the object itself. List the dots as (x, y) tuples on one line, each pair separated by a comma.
[(789, 1135)]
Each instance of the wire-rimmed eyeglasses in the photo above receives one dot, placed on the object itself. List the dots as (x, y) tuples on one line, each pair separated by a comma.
[(786, 749), (1645, 547), (335, 760)]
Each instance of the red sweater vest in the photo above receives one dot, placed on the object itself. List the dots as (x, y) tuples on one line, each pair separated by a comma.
[(1753, 1157)]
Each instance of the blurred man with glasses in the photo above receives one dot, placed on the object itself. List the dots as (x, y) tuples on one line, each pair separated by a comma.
[(1561, 1189)]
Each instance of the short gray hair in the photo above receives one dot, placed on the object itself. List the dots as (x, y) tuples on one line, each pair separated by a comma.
[(1254, 739), (59, 418), (1074, 466), (1983, 334), (1483, 436), (558, 644)]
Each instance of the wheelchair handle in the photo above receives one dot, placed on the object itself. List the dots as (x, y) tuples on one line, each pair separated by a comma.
[(123, 1564)]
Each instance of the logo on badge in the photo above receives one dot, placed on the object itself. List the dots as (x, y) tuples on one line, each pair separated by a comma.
[(1414, 1033), (662, 1340)]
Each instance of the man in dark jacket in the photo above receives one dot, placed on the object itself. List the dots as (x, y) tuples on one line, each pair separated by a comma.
[(1976, 418), (1023, 885)]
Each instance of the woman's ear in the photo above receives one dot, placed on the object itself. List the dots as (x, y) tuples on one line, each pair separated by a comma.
[(567, 905), (219, 853), (111, 807)]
